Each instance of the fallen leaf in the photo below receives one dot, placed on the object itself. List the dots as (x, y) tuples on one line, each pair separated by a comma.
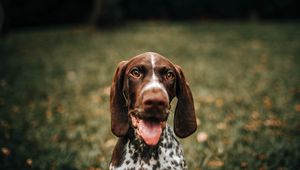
[(258, 68), (3, 83), (71, 75), (106, 91), (95, 98), (261, 156), (215, 163), (101, 158), (110, 143), (49, 114), (221, 126), (273, 122), (55, 138), (297, 107), (263, 58), (5, 151), (60, 108), (98, 112), (209, 99), (255, 115), (29, 162), (247, 139), (15, 109), (267, 102), (253, 125), (202, 137), (230, 117), (263, 167), (94, 168), (198, 121), (5, 124), (244, 165), (219, 103), (256, 44)]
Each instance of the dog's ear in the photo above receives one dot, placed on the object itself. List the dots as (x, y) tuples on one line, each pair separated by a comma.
[(118, 107), (184, 118)]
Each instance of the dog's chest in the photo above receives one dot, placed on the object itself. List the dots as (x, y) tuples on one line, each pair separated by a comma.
[(167, 155)]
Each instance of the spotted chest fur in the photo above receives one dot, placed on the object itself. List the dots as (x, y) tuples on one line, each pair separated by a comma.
[(136, 155)]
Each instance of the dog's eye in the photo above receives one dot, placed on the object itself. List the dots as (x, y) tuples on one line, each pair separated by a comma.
[(169, 75), (136, 73)]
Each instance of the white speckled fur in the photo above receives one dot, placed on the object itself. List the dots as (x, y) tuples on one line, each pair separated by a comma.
[(170, 157)]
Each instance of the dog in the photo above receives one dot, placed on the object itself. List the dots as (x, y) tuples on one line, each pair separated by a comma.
[(141, 92)]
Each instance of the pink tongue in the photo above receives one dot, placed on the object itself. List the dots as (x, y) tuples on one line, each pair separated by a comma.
[(150, 132)]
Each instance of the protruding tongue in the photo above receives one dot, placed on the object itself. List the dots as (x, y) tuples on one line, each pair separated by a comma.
[(150, 132)]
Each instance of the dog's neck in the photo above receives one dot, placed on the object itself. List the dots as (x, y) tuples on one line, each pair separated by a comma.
[(137, 154), (140, 148), (145, 151)]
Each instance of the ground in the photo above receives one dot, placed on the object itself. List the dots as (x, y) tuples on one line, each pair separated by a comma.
[(54, 92)]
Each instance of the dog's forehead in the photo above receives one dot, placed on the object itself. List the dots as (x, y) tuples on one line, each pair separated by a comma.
[(150, 59)]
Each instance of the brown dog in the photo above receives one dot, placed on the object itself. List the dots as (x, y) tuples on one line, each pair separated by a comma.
[(141, 92)]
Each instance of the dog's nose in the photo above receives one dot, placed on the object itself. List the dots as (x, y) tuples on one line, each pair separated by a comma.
[(154, 100)]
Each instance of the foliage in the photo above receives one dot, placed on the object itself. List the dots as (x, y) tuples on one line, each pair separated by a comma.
[(54, 92), (20, 13)]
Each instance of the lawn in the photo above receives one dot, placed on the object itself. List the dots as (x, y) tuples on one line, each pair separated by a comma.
[(245, 78)]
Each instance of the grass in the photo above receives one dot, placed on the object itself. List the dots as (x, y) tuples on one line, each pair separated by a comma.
[(54, 92)]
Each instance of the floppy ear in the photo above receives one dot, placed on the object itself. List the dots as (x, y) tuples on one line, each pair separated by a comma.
[(118, 107), (184, 118)]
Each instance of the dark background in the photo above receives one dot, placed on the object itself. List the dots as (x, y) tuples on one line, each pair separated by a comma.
[(20, 13)]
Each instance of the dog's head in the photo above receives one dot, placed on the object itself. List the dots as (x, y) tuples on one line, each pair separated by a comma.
[(141, 92)]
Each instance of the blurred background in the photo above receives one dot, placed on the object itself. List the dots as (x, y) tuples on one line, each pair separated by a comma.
[(18, 13), (241, 58)]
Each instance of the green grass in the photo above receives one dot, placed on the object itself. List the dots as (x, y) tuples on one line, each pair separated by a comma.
[(245, 78)]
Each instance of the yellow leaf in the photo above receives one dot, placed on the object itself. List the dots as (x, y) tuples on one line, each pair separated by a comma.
[(253, 125), (5, 151), (215, 163), (297, 107), (244, 165), (29, 162), (219, 103), (202, 137), (15, 109), (273, 122), (221, 126), (267, 102), (110, 143), (106, 91)]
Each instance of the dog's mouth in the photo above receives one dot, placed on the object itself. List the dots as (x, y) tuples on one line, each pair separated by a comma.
[(148, 126)]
